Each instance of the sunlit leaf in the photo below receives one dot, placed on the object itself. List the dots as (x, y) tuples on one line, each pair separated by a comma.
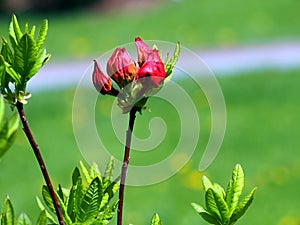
[(42, 219), (156, 220), (7, 215), (206, 183), (23, 220), (242, 206), (205, 214), (25, 56), (235, 187), (42, 35), (90, 203)]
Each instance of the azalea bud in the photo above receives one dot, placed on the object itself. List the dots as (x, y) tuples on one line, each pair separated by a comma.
[(143, 51), (101, 82), (153, 68), (121, 67)]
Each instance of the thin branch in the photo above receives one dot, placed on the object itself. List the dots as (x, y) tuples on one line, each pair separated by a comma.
[(132, 115), (40, 160)]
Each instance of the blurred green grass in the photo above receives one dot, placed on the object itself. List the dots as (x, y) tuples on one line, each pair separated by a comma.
[(262, 134), (194, 23)]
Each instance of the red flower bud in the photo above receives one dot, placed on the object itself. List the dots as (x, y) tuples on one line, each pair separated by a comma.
[(153, 68), (101, 82), (121, 67), (143, 51)]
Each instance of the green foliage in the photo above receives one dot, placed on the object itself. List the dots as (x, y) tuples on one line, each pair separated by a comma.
[(8, 129), (155, 220), (7, 216), (21, 59), (170, 63), (87, 201), (224, 208)]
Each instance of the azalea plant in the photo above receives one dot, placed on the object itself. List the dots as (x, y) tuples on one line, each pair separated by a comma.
[(91, 198)]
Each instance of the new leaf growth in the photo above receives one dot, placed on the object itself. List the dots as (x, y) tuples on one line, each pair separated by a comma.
[(21, 59), (223, 207)]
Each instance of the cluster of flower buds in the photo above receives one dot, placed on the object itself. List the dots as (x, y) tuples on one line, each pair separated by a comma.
[(136, 82)]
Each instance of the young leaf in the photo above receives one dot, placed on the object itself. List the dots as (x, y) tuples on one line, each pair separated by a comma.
[(42, 207), (219, 189), (42, 35), (242, 207), (23, 219), (16, 28), (25, 56), (94, 171), (85, 173), (47, 198), (156, 220), (235, 188), (205, 214), (109, 193), (108, 174), (42, 220), (169, 66), (6, 52), (7, 215), (211, 204), (222, 206), (2, 107), (90, 203), (206, 183)]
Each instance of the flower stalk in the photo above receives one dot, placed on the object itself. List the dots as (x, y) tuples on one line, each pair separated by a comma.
[(40, 160), (132, 116)]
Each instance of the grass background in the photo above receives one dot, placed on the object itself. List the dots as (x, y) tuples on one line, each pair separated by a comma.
[(263, 110), (262, 134)]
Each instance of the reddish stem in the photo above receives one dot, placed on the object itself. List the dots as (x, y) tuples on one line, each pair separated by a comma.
[(125, 163), (40, 160)]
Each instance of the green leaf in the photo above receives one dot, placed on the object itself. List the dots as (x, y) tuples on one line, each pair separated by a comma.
[(8, 133), (156, 220), (16, 28), (206, 183), (42, 220), (235, 188), (2, 107), (75, 196), (90, 203), (13, 124), (6, 52), (12, 73), (42, 35), (42, 58), (205, 214), (211, 204), (42, 207), (109, 193), (217, 206), (7, 215), (25, 56), (219, 189), (23, 219), (47, 198), (85, 173), (169, 64), (243, 206), (108, 174), (94, 171), (32, 31)]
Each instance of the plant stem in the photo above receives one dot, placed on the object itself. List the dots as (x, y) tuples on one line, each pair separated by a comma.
[(40, 160), (132, 115)]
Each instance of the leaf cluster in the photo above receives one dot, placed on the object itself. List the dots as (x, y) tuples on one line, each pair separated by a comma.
[(7, 216), (20, 59), (223, 207), (8, 129), (87, 201)]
